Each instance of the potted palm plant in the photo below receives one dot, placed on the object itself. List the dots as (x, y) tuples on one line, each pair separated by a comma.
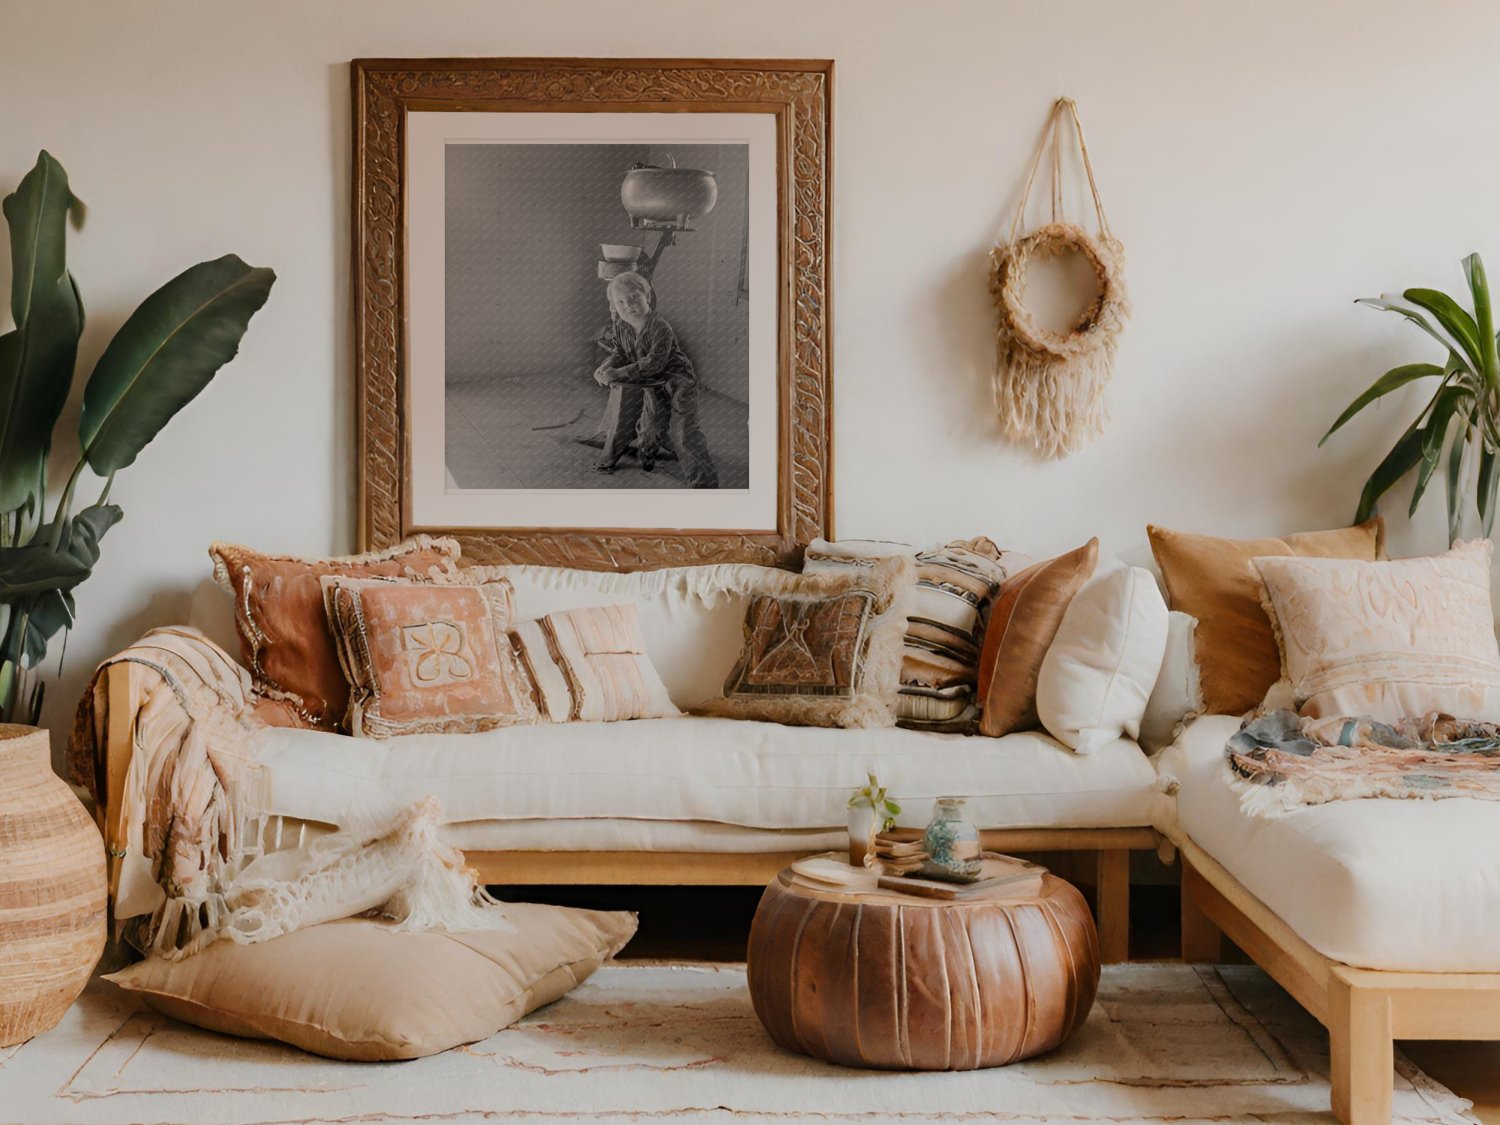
[(1457, 427), (162, 356)]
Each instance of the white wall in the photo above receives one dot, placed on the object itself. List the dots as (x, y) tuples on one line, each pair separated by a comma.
[(1264, 164)]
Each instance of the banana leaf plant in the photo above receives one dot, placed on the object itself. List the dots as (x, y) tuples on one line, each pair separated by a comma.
[(1457, 427), (164, 354)]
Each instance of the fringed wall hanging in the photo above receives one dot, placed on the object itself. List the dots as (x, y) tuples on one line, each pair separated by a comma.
[(1049, 386)]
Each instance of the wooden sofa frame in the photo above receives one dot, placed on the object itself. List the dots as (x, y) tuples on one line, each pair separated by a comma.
[(1111, 846), (1364, 1010)]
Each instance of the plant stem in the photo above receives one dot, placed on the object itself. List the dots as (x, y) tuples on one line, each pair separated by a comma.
[(65, 504)]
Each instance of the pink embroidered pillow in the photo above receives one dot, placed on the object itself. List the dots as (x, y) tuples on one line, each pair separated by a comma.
[(1391, 640), (427, 657), (590, 665)]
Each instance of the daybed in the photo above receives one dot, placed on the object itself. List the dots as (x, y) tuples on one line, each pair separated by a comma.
[(670, 801), (1378, 915)]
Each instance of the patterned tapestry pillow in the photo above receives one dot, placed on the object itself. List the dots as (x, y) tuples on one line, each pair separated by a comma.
[(823, 649), (424, 657), (956, 584), (1022, 626), (590, 665), (1214, 580), (284, 634), (1388, 640)]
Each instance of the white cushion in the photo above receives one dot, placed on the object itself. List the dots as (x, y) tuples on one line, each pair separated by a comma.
[(1177, 695), (731, 771), (1099, 671), (691, 617), (1377, 883)]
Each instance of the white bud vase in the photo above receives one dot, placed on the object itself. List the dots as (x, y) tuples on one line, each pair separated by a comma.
[(861, 828)]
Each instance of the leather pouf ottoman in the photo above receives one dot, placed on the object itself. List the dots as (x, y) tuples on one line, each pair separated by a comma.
[(889, 980)]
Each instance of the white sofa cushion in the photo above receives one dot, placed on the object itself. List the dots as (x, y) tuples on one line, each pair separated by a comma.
[(731, 771), (1101, 665), (1379, 884)]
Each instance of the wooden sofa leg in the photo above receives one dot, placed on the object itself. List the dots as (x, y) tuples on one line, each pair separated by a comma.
[(1202, 941), (1112, 886), (1361, 1052)]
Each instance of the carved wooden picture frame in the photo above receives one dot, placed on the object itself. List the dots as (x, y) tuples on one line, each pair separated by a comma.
[(389, 98)]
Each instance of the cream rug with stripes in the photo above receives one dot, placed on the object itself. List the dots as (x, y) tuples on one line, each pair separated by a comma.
[(642, 1042)]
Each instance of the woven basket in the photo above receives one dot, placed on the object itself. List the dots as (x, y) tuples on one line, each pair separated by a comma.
[(52, 889)]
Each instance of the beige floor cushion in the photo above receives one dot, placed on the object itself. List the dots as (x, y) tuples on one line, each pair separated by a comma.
[(357, 990)]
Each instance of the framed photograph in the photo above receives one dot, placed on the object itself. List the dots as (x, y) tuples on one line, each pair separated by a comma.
[(592, 307)]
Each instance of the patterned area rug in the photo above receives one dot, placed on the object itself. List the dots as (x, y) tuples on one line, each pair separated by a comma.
[(643, 1042)]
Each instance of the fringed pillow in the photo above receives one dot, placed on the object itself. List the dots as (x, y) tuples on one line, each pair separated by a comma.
[(955, 587), (285, 639), (423, 657), (823, 649)]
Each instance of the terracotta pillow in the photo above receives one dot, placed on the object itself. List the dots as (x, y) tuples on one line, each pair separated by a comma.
[(356, 990), (427, 657), (824, 649), (285, 640), (1388, 640), (1025, 618), (1214, 580), (590, 665)]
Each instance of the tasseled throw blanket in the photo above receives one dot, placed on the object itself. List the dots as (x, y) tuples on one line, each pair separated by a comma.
[(1280, 761), (191, 839)]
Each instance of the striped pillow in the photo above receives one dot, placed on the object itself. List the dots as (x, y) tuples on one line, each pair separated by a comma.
[(956, 583), (590, 665)]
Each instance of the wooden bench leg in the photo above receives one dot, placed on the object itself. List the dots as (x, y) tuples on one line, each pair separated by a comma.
[(1112, 885), (1361, 1052), (1202, 941)]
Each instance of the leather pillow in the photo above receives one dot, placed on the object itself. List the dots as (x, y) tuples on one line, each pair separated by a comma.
[(356, 990), (1215, 581), (1023, 623), (427, 657), (285, 639)]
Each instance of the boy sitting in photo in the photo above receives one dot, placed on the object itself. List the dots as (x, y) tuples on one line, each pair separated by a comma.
[(647, 355)]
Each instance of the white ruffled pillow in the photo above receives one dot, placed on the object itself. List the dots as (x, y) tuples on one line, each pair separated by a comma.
[(1098, 674)]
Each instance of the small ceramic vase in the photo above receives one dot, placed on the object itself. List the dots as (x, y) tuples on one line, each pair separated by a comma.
[(861, 832), (951, 843)]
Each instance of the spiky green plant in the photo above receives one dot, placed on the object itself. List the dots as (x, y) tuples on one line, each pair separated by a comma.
[(1457, 426), (163, 355)]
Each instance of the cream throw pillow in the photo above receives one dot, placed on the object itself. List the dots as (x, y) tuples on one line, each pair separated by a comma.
[(356, 990), (1099, 671), (1390, 640), (590, 666)]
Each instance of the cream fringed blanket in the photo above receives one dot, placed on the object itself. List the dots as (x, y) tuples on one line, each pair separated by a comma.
[(191, 841)]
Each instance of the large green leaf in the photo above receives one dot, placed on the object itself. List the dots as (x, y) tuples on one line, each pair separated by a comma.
[(35, 568), (1488, 480), (1448, 402), (1393, 379), (1484, 316), (1455, 473), (37, 356), (1455, 321), (1391, 302), (164, 355), (1402, 458)]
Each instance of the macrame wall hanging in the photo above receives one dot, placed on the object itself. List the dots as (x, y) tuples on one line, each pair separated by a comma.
[(1049, 386)]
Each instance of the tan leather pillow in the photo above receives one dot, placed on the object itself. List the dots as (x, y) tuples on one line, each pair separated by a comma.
[(285, 640), (427, 657), (1214, 580), (356, 990), (1023, 623)]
